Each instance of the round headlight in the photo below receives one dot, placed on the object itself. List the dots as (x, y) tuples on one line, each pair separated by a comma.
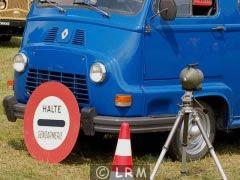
[(20, 62), (2, 5), (98, 72)]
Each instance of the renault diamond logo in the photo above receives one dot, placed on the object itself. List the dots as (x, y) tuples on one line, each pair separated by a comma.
[(64, 34)]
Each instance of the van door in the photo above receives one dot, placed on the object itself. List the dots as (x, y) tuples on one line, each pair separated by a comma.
[(195, 36)]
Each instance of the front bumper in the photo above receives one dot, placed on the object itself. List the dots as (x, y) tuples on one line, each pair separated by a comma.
[(10, 27), (92, 123)]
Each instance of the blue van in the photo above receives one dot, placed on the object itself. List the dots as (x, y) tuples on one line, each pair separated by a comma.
[(122, 59)]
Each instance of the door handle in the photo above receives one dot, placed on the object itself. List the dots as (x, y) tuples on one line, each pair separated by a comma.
[(219, 28)]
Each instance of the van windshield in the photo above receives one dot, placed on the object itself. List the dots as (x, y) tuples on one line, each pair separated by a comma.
[(128, 7)]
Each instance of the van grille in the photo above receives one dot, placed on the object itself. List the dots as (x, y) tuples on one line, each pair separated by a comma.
[(76, 83), (51, 35), (79, 38)]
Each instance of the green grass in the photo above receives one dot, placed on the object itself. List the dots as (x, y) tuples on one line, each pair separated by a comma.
[(16, 163)]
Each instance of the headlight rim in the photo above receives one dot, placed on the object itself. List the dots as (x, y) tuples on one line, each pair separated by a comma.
[(103, 69), (25, 61)]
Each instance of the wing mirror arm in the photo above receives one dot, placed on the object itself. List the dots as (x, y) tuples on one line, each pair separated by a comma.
[(158, 13)]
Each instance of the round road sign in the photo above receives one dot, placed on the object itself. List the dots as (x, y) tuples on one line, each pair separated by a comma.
[(51, 122)]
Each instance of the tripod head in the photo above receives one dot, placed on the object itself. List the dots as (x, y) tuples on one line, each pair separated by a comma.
[(191, 78)]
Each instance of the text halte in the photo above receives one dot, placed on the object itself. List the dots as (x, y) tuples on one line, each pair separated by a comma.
[(52, 109)]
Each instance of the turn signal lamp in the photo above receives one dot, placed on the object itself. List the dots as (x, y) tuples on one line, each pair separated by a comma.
[(123, 100), (10, 84)]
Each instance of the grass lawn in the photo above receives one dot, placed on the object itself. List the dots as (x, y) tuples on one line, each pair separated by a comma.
[(15, 162)]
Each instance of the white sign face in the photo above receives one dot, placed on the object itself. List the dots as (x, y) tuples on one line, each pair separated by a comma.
[(51, 123)]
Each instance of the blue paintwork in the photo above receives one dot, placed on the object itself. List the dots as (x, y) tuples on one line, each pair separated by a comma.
[(143, 65)]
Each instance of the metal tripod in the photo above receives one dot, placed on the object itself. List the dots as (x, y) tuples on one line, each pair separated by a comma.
[(187, 110)]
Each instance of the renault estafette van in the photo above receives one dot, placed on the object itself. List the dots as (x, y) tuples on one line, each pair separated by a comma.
[(122, 59)]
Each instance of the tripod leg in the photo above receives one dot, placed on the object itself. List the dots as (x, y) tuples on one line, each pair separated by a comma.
[(211, 149), (184, 144), (167, 144)]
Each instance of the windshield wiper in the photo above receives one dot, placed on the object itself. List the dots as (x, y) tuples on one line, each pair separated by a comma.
[(104, 13), (55, 4)]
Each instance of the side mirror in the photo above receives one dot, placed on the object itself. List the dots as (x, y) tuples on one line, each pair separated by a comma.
[(167, 9)]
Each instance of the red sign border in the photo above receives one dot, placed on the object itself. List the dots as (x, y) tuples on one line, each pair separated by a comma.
[(61, 91)]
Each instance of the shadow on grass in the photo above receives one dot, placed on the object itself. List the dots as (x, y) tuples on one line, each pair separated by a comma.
[(227, 143), (97, 150), (14, 43), (17, 144), (100, 149)]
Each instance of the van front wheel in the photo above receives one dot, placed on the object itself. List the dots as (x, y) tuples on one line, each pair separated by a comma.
[(197, 148)]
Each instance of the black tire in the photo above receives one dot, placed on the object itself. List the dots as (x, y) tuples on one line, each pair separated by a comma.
[(201, 149), (5, 38)]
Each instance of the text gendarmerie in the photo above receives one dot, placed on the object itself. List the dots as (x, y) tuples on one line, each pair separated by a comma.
[(49, 135)]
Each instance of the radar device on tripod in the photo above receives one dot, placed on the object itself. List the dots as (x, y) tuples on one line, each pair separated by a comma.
[(191, 79)]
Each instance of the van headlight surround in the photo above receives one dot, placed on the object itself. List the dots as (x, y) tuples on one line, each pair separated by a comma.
[(20, 62), (98, 72)]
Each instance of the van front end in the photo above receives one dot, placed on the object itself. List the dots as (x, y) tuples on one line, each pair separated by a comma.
[(97, 58)]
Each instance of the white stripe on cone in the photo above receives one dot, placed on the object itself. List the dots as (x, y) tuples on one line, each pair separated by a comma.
[(123, 148)]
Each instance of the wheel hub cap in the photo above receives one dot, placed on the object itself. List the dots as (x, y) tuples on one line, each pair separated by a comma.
[(196, 142), (194, 131)]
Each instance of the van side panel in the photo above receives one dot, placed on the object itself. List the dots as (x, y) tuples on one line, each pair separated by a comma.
[(231, 16), (174, 44)]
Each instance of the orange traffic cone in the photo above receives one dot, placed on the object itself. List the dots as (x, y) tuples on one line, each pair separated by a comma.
[(122, 167)]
